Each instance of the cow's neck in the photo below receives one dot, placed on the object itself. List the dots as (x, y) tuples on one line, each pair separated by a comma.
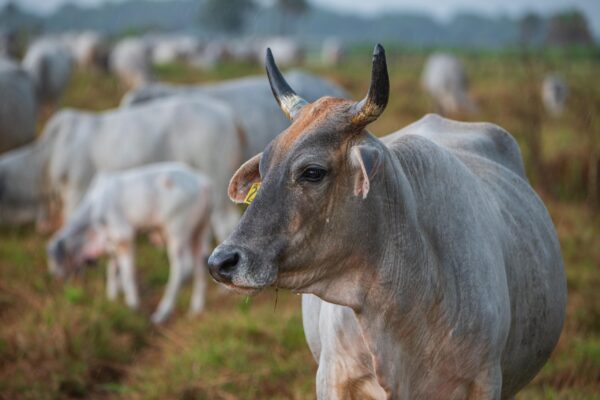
[(399, 300)]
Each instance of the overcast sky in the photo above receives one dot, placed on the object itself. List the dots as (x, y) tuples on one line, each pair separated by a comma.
[(442, 9)]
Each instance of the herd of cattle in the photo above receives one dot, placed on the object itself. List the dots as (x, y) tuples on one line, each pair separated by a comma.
[(429, 266)]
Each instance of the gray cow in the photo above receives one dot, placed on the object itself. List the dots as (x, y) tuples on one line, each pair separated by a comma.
[(250, 97), (18, 106), (75, 145), (433, 237), (50, 64)]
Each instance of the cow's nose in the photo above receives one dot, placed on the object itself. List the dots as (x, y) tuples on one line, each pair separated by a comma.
[(223, 262)]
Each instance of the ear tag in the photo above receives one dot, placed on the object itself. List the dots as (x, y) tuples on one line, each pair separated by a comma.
[(252, 193)]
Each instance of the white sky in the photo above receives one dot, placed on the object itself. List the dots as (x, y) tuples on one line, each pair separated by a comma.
[(442, 9)]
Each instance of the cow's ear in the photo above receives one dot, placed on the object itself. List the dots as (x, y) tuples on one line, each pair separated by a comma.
[(367, 161), (243, 179)]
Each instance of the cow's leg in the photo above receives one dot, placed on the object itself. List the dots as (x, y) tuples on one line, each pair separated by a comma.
[(487, 385), (126, 261), (201, 245), (181, 262), (112, 279)]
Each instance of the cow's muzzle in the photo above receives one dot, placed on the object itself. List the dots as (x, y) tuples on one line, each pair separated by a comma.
[(240, 269)]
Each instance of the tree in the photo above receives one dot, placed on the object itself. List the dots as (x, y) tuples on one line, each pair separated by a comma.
[(290, 9), (226, 16), (531, 27), (569, 28)]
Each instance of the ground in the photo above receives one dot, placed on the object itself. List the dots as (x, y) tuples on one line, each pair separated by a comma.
[(65, 340)]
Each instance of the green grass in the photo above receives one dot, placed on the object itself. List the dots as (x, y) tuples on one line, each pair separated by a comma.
[(65, 340)]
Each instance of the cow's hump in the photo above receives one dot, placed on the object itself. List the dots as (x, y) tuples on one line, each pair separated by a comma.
[(480, 138)]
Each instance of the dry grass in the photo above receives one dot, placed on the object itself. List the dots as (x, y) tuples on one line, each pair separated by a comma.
[(64, 340)]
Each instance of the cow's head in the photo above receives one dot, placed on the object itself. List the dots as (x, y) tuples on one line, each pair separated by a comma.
[(308, 220), (76, 245)]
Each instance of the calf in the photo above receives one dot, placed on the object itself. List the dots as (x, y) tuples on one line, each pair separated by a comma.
[(167, 197)]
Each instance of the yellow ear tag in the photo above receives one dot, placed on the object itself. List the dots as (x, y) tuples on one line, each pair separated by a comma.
[(252, 193)]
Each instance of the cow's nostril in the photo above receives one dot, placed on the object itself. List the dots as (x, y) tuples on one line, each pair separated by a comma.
[(222, 265), (230, 263)]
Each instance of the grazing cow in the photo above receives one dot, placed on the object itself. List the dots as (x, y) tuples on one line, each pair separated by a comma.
[(9, 43), (130, 60), (75, 145), (50, 64), (170, 198), (445, 79), (251, 98), (433, 237), (18, 112), (89, 49), (554, 94)]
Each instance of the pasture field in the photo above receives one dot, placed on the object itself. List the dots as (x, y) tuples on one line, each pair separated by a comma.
[(65, 340)]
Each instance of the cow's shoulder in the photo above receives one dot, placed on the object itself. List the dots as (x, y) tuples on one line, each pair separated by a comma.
[(477, 138)]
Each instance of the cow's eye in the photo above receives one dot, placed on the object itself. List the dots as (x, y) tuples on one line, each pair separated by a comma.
[(313, 174)]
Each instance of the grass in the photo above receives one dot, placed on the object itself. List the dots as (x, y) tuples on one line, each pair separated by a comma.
[(65, 340)]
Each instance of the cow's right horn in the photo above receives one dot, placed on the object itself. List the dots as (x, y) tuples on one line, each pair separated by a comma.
[(289, 102), (370, 108)]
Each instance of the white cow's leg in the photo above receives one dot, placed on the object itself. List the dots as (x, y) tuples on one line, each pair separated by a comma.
[(112, 279), (181, 262), (199, 293), (125, 259), (224, 219)]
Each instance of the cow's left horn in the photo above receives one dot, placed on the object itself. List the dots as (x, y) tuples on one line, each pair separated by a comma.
[(289, 102), (370, 108)]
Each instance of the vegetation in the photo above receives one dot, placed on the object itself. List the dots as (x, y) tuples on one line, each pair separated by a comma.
[(65, 340)]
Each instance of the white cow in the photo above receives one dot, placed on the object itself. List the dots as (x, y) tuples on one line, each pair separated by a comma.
[(250, 97), (333, 51), (18, 106), (88, 48), (170, 198), (445, 79), (75, 145), (554, 94), (50, 64), (130, 60)]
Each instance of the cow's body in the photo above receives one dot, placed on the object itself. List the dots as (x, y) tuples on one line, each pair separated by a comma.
[(432, 237), (251, 99), (18, 112), (516, 270), (200, 132), (170, 198)]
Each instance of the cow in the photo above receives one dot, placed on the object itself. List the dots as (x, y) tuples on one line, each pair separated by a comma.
[(130, 60), (50, 64), (333, 51), (445, 79), (170, 198), (89, 49), (554, 94), (18, 115), (432, 237), (251, 98), (56, 170)]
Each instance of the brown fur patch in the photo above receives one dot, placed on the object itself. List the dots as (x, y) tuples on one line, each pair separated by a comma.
[(311, 115)]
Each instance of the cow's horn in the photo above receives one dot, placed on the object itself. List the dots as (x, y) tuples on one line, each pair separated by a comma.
[(370, 108), (289, 102)]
